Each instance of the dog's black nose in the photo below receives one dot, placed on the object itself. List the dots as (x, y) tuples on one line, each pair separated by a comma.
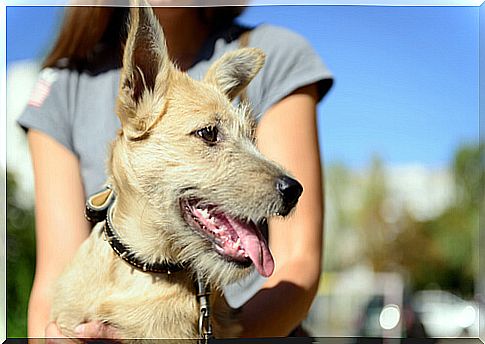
[(290, 190)]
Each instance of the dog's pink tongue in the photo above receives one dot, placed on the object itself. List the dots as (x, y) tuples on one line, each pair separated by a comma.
[(255, 245)]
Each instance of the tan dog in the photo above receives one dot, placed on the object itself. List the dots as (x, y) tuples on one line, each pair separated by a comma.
[(190, 188)]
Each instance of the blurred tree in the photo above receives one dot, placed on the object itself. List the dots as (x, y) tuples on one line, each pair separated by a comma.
[(456, 230), (446, 248), (442, 251), (376, 234), (469, 176), (340, 186), (20, 260)]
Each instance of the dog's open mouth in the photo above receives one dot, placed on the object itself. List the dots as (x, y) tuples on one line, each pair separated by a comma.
[(238, 240)]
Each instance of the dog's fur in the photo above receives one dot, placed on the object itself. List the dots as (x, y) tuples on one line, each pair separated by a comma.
[(156, 160)]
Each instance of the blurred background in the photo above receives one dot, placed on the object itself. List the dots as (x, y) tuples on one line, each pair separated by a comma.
[(400, 144)]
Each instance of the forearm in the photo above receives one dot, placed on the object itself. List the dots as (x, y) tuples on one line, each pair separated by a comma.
[(283, 302), (38, 313), (287, 134), (60, 224)]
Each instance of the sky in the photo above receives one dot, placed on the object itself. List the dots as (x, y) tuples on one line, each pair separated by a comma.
[(406, 78)]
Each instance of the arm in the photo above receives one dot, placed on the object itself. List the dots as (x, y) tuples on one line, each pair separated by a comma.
[(60, 225), (287, 134), (60, 230)]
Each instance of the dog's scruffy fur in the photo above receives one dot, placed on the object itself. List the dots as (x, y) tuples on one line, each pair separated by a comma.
[(158, 159)]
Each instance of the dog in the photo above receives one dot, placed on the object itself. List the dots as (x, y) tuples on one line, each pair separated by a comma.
[(188, 190)]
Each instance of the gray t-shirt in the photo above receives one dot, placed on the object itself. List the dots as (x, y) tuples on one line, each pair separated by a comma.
[(77, 108)]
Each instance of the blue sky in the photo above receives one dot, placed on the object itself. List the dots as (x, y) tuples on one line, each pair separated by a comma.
[(406, 78)]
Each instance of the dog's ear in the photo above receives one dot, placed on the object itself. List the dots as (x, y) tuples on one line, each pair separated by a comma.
[(146, 68), (234, 70)]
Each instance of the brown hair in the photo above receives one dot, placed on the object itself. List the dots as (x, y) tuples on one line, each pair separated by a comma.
[(87, 30)]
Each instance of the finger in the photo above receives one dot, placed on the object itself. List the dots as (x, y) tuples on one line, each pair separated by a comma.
[(91, 329), (95, 329), (54, 335), (53, 331)]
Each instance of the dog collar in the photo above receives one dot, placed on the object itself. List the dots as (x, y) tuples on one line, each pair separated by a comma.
[(98, 208), (129, 256)]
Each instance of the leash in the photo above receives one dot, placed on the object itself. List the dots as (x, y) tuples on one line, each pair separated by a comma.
[(99, 208)]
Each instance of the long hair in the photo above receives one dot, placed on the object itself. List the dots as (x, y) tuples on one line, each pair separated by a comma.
[(87, 31)]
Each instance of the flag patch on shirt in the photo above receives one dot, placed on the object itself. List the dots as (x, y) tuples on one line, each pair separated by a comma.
[(43, 87)]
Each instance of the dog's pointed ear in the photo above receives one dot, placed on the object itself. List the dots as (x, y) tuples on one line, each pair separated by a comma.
[(146, 68), (234, 70)]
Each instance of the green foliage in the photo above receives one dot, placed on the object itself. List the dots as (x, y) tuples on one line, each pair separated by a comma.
[(441, 251), (469, 176), (450, 256), (20, 260)]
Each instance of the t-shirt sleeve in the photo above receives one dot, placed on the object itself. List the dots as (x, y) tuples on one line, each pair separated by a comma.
[(49, 109), (291, 63)]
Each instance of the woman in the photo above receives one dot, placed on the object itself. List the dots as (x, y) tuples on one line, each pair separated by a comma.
[(70, 125)]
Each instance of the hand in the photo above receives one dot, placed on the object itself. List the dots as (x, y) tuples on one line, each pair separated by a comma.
[(54, 335), (95, 329), (92, 329)]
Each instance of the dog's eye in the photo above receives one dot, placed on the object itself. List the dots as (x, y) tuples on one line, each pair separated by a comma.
[(208, 134)]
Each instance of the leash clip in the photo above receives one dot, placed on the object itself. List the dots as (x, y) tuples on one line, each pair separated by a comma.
[(203, 294)]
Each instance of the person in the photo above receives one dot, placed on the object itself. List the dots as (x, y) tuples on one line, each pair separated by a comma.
[(70, 121)]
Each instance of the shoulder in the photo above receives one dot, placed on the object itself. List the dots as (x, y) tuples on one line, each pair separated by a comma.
[(63, 99), (291, 63), (57, 76), (278, 40), (67, 76), (278, 31), (53, 88), (61, 88), (53, 78), (284, 47), (70, 84)]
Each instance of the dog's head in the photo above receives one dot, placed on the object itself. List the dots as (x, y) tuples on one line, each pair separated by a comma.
[(189, 156)]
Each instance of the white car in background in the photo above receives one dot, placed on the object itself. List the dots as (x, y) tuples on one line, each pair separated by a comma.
[(446, 315)]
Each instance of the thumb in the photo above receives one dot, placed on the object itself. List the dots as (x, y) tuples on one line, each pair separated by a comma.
[(95, 329), (54, 335)]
